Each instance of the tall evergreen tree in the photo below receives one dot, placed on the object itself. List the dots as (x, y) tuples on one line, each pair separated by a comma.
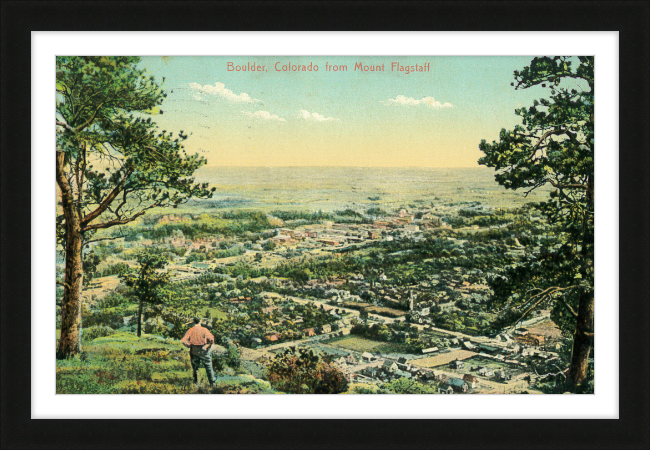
[(112, 163), (554, 146)]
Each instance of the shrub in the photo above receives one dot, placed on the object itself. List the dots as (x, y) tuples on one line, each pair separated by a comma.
[(112, 317), (115, 269), (112, 300), (80, 382), (110, 352), (218, 363), (147, 387), (232, 357), (181, 379), (406, 386), (304, 372), (90, 333), (208, 278), (130, 369), (117, 337), (154, 353), (75, 368), (174, 376), (376, 211), (242, 384), (365, 388), (155, 325), (140, 370), (176, 363)]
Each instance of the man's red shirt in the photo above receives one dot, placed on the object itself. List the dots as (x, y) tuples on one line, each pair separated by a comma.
[(197, 335)]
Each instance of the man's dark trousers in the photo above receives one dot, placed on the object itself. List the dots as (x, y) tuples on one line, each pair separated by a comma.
[(199, 356)]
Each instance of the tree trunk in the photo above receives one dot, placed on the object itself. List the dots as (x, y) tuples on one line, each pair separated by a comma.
[(69, 340), (139, 318), (582, 342)]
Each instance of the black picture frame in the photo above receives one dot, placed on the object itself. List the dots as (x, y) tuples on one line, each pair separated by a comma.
[(630, 18)]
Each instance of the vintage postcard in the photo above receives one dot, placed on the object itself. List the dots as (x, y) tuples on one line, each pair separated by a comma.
[(325, 225)]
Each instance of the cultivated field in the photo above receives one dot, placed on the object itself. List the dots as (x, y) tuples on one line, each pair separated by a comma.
[(443, 359), (359, 344), (381, 310)]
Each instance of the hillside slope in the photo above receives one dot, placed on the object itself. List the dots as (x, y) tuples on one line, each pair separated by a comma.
[(122, 363)]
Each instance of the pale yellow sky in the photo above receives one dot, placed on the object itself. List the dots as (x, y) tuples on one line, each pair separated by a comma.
[(352, 118)]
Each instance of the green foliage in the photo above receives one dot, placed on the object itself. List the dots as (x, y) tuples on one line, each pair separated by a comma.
[(309, 217), (349, 216), (90, 333), (298, 274), (408, 386), (269, 246), (146, 387), (241, 269), (233, 358), (89, 263), (113, 152), (110, 317), (177, 377), (241, 384), (376, 212), (81, 381), (112, 300), (348, 212), (148, 283), (128, 368), (301, 371), (218, 363), (114, 269), (214, 254), (204, 225), (365, 388), (379, 332), (553, 146), (209, 278)]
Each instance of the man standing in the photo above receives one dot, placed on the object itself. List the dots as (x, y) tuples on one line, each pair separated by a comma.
[(199, 340)]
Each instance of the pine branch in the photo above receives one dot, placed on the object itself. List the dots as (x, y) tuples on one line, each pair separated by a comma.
[(568, 307), (106, 202), (544, 295), (66, 126), (123, 221), (64, 284), (541, 139)]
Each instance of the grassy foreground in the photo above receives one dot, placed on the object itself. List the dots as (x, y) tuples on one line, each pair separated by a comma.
[(122, 363)]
